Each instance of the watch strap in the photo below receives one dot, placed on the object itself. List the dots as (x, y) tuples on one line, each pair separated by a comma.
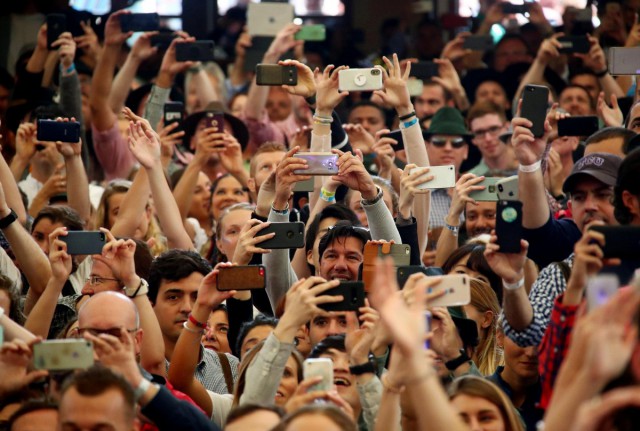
[(374, 200), (455, 363), (367, 367), (142, 388), (6, 221)]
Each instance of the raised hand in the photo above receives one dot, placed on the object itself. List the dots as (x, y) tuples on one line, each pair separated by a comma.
[(170, 65), (352, 173), (549, 49), (208, 294), (169, 138), (15, 358), (142, 48), (465, 185), (286, 178), (385, 154), (528, 148), (68, 149), (359, 138), (26, 141), (246, 245), (88, 42), (611, 116), (395, 91), (66, 49), (56, 184), (303, 299), (118, 255), (117, 353), (231, 154), (595, 58), (283, 42), (409, 183), (144, 142), (508, 266), (306, 86), (60, 260), (327, 94), (113, 34)]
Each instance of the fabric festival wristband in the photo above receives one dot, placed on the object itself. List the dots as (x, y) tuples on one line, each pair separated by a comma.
[(196, 323), (530, 168), (327, 193), (513, 286), (410, 123)]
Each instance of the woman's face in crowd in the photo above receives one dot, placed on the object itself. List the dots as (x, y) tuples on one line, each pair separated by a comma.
[(228, 191), (41, 231), (288, 383), (215, 337), (478, 413), (113, 205), (230, 227), (253, 337), (461, 268), (238, 104), (201, 200), (355, 205)]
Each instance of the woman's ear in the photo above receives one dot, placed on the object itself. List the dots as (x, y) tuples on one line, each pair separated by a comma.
[(487, 319), (310, 257)]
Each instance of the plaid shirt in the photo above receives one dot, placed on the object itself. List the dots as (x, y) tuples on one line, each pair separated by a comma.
[(554, 346), (209, 371), (547, 287)]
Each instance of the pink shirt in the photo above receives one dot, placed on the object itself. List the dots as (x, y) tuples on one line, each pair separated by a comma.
[(113, 152)]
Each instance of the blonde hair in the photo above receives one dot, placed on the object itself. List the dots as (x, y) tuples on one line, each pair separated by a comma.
[(487, 355)]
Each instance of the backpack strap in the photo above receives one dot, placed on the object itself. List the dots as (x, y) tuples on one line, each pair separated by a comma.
[(226, 371)]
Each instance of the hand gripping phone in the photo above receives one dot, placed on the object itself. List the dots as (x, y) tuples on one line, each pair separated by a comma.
[(319, 164), (352, 293), (247, 277), (444, 177), (535, 99), (52, 131), (319, 367), (287, 235), (56, 25), (490, 192), (509, 226), (360, 79), (58, 355), (400, 253), (84, 242), (275, 74)]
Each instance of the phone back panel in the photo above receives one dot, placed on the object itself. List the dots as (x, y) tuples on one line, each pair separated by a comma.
[(535, 99), (288, 235), (246, 277), (400, 253), (509, 226)]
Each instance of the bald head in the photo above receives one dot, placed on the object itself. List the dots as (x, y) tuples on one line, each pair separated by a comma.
[(106, 310)]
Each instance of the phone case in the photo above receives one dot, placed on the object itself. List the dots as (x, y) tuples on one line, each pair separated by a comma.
[(67, 354), (56, 25), (360, 79), (401, 254), (457, 288), (424, 70), (535, 99), (173, 112), (267, 19), (600, 289), (319, 367), (247, 277), (578, 126), (84, 242), (275, 74), (490, 192), (319, 164), (312, 32), (444, 177), (139, 22), (404, 272), (52, 131), (415, 87), (577, 44), (620, 241), (397, 135), (509, 226), (288, 235), (353, 294), (510, 8), (215, 120), (478, 43), (162, 40), (200, 50), (508, 188), (624, 61)]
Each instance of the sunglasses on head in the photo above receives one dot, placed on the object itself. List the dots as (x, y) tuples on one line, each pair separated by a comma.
[(440, 142)]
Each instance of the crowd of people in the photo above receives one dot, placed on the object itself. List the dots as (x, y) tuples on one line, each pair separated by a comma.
[(180, 203)]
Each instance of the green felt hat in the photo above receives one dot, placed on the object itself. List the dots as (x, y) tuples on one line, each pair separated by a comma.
[(448, 121)]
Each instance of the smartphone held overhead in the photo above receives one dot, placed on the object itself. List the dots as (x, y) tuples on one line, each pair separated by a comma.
[(360, 79)]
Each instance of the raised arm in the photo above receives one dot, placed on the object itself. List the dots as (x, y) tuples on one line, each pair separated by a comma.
[(596, 60), (548, 51), (12, 192)]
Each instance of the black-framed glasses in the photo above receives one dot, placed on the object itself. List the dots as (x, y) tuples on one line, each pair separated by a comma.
[(116, 332), (94, 280), (440, 142), (493, 131)]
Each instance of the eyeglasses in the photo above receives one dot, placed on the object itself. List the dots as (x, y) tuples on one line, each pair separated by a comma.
[(94, 280), (493, 131), (116, 332), (440, 142)]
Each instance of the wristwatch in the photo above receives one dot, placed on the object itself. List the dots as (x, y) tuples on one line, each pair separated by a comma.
[(6, 221), (453, 364), (367, 367), (142, 389), (141, 289), (374, 200)]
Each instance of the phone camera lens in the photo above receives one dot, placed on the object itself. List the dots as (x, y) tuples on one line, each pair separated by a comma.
[(289, 234), (375, 71), (492, 189), (500, 188)]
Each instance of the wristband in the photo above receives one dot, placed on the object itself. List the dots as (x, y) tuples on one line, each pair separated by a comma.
[(283, 212), (5, 222), (196, 323), (602, 74), (142, 289), (193, 331), (311, 100), (406, 117), (69, 70), (513, 286), (530, 168), (367, 367), (327, 196), (409, 123), (142, 389), (454, 229), (453, 364)]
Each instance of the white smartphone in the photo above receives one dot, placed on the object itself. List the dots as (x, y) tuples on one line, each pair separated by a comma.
[(600, 288), (360, 79), (457, 289), (489, 194), (444, 177), (319, 367), (70, 354), (415, 86), (507, 188), (267, 19), (624, 61)]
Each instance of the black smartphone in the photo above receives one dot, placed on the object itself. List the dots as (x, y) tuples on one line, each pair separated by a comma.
[(578, 126), (424, 70), (352, 297), (510, 8), (215, 120), (56, 25), (84, 241), (397, 135), (478, 43), (173, 113), (404, 272), (51, 130), (287, 235), (275, 74), (139, 22), (535, 100), (574, 44), (620, 241), (509, 226), (246, 277), (255, 53), (162, 40), (200, 50)]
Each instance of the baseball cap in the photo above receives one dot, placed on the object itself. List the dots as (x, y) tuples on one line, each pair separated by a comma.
[(601, 166)]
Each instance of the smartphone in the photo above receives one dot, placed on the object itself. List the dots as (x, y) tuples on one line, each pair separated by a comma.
[(360, 79), (162, 40), (535, 100), (510, 8), (415, 87), (509, 226), (424, 70), (84, 242), (56, 25), (287, 235), (508, 188), (397, 135), (490, 192), (574, 44), (58, 355), (275, 74), (400, 253), (52, 130), (312, 32), (624, 61), (268, 18), (620, 241), (600, 289), (319, 164), (478, 43), (319, 367), (404, 272), (139, 22), (200, 50), (457, 289), (578, 126), (173, 113), (444, 177), (353, 295), (215, 120), (255, 53), (247, 277)]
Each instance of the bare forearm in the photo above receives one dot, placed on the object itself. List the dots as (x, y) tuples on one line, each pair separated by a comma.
[(39, 319), (78, 187), (389, 413), (204, 89), (37, 61), (567, 398), (535, 207), (102, 115), (33, 262), (122, 84), (133, 206), (447, 243), (610, 86), (238, 76), (517, 308), (49, 69), (183, 191), (256, 101), (152, 351), (11, 191), (18, 166)]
